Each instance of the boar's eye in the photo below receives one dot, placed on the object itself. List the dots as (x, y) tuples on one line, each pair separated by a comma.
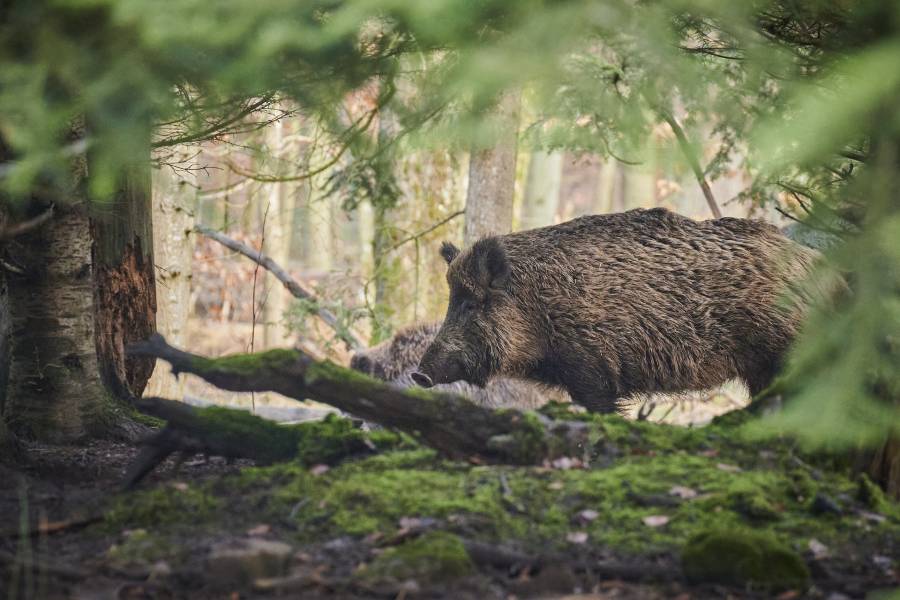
[(467, 306)]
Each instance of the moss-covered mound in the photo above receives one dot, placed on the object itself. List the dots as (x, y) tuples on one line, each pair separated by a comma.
[(436, 556), (743, 558)]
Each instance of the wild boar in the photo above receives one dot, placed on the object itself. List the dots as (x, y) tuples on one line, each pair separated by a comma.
[(396, 359), (612, 306)]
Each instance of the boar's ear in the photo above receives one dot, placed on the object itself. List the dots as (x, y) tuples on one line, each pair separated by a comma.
[(491, 264), (449, 252)]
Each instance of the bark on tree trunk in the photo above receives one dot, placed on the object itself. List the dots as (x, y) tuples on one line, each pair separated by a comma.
[(124, 283), (492, 177), (6, 441), (884, 467), (174, 206), (85, 292), (55, 391), (541, 199)]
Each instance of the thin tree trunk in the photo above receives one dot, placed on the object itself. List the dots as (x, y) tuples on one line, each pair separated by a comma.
[(174, 207), (492, 178), (6, 441), (541, 199), (277, 245)]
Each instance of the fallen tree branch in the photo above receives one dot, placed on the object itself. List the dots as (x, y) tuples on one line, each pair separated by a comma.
[(235, 433), (451, 424), (292, 285)]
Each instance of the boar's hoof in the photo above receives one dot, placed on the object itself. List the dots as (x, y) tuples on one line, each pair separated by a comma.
[(422, 379)]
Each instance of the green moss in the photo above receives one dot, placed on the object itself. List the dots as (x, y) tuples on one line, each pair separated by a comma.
[(434, 557), (743, 558), (160, 506), (526, 444), (752, 502), (330, 441), (139, 547), (248, 364), (873, 496), (631, 478), (239, 428)]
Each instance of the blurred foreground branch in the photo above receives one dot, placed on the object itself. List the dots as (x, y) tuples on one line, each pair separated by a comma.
[(451, 424), (293, 286)]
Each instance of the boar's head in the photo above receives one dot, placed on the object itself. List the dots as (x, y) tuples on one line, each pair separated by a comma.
[(483, 325)]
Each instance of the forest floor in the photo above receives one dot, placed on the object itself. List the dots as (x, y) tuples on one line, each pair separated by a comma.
[(656, 511)]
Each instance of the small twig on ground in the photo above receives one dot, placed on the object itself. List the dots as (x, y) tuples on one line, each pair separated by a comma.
[(292, 285)]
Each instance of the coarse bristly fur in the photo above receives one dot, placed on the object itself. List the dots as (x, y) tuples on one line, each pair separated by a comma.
[(395, 359), (609, 306)]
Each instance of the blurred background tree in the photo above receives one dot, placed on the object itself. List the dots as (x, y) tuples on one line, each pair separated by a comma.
[(782, 106)]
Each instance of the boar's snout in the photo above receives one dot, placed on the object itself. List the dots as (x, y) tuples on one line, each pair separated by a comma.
[(422, 379), (438, 366), (362, 363)]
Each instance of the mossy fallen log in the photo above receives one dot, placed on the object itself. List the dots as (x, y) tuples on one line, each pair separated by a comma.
[(234, 433), (451, 424)]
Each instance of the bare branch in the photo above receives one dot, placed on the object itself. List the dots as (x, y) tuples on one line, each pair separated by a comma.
[(693, 161), (292, 285), (428, 230), (11, 231)]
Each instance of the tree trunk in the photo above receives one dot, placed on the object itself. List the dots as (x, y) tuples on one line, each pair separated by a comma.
[(86, 292), (492, 177), (277, 245), (6, 440), (124, 283), (174, 205), (884, 466), (55, 391), (541, 199)]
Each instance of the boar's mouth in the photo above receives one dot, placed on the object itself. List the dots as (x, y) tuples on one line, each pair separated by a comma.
[(431, 373)]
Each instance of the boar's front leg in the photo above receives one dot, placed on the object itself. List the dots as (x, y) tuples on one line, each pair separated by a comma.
[(591, 394)]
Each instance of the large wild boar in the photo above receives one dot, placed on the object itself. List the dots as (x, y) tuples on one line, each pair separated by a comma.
[(396, 359), (610, 306)]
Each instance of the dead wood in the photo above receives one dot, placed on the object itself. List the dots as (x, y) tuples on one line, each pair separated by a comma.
[(451, 424), (292, 285)]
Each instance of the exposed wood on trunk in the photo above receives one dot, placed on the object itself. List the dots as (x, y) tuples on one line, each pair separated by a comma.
[(124, 282), (292, 285), (492, 178), (451, 424)]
